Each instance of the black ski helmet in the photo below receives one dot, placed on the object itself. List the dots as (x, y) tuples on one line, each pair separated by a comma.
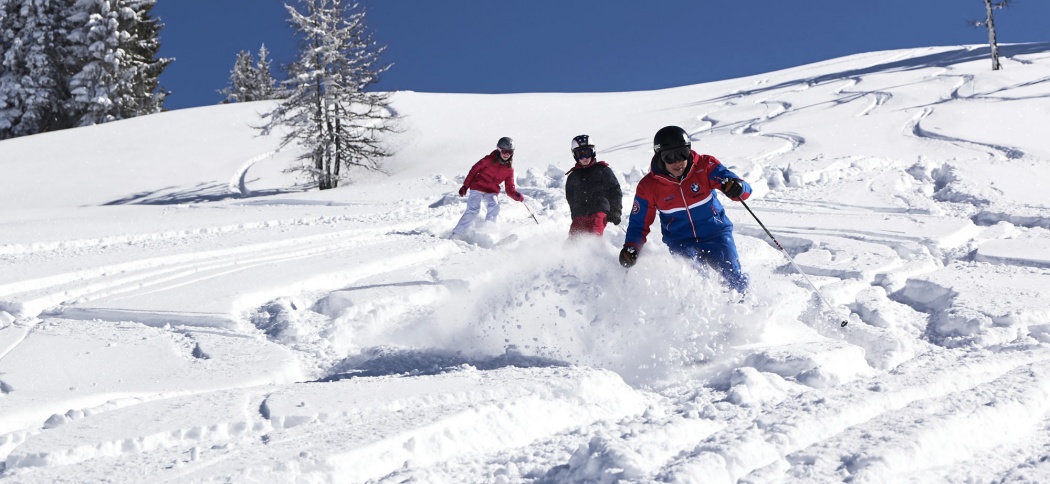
[(669, 138), (505, 143)]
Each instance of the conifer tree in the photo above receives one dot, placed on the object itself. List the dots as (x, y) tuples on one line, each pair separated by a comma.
[(32, 72), (250, 81), (68, 63), (265, 84), (242, 79), (336, 122), (116, 72)]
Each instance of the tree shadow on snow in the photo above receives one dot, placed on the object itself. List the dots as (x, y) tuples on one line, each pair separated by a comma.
[(385, 361), (203, 192)]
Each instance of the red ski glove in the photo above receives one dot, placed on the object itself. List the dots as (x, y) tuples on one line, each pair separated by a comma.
[(463, 191)]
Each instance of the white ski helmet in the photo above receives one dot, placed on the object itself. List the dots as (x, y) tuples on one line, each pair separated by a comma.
[(582, 147), (581, 141)]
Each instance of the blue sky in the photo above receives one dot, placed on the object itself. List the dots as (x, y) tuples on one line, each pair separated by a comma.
[(489, 46)]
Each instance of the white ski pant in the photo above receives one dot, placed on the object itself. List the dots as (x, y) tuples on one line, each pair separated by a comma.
[(474, 199)]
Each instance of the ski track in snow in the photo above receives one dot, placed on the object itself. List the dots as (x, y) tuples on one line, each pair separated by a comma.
[(754, 445), (145, 276), (914, 126), (238, 182), (876, 98)]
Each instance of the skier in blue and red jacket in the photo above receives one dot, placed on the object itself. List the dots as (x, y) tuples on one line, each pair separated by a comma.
[(681, 187)]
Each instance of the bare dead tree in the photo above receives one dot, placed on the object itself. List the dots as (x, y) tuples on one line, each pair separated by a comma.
[(989, 23)]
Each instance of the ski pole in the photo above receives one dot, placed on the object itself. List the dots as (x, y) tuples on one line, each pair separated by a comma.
[(530, 212), (797, 268)]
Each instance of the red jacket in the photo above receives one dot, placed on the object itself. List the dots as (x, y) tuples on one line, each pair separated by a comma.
[(488, 173)]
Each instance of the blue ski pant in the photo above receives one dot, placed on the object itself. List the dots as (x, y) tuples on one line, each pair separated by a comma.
[(719, 252)]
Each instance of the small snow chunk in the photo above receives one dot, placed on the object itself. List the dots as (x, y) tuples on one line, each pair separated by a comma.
[(751, 388), (55, 420)]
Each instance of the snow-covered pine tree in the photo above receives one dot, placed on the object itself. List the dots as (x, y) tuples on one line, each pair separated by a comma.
[(364, 116), (265, 84), (242, 79), (327, 110), (32, 70), (115, 69), (68, 63), (250, 81)]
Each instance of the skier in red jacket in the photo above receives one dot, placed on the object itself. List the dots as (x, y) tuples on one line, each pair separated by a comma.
[(483, 182), (681, 187), (592, 191)]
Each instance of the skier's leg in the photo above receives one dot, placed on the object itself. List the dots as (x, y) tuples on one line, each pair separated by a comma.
[(587, 225), (598, 223), (721, 254), (473, 207), (578, 227), (683, 249), (691, 251), (491, 207)]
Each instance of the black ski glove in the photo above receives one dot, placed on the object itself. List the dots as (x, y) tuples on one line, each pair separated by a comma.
[(628, 256), (613, 218), (733, 187)]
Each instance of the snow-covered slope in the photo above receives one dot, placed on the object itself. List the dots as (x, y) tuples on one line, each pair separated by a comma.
[(176, 307)]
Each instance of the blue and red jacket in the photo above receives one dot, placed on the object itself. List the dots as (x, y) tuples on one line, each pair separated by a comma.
[(688, 208)]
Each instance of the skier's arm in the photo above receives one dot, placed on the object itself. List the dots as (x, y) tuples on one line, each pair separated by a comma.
[(512, 191), (642, 215), (473, 173), (615, 197), (728, 182)]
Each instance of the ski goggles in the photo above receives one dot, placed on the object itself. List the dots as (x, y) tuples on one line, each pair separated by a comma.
[(506, 152), (675, 155), (581, 153)]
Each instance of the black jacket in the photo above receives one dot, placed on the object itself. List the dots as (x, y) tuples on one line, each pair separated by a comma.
[(594, 189)]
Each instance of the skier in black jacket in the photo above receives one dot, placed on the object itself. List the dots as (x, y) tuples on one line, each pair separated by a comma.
[(592, 191)]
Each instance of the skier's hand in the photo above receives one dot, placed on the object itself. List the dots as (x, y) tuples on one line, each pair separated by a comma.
[(733, 187), (613, 218), (463, 191), (628, 256), (517, 197)]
